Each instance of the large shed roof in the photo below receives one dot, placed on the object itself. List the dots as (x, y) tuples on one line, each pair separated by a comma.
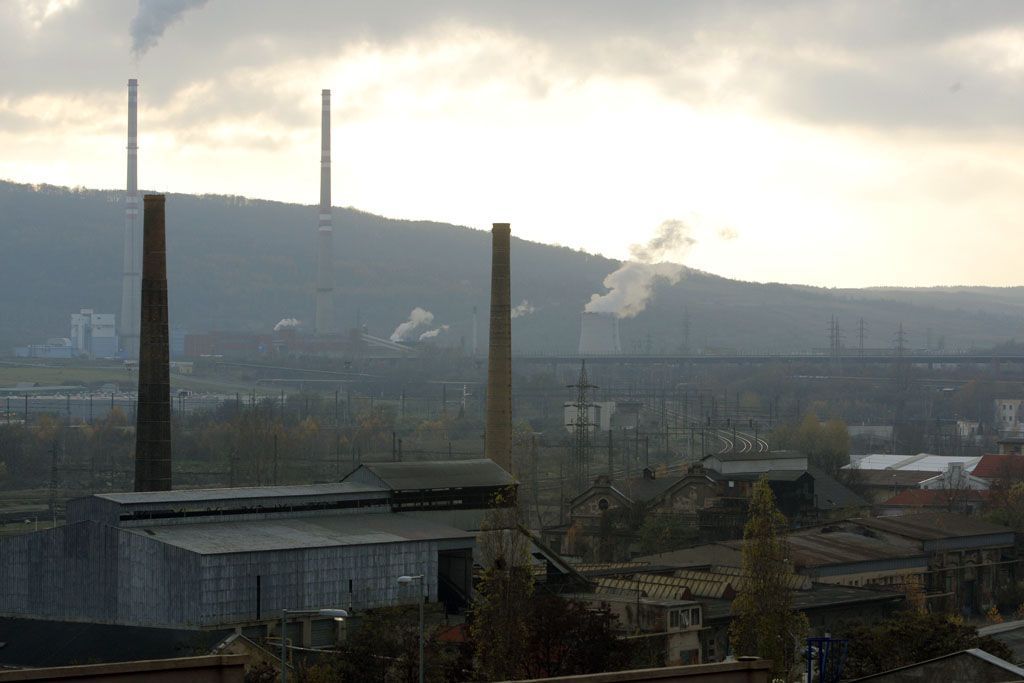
[(240, 493), (928, 526), (838, 545), (218, 538), (443, 474), (922, 461)]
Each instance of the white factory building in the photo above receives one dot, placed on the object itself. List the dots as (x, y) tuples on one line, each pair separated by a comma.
[(94, 334)]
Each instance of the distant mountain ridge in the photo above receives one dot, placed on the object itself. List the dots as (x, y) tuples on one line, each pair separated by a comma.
[(242, 264)]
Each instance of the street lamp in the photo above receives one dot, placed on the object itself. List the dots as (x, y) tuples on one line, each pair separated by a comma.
[(423, 597), (338, 614)]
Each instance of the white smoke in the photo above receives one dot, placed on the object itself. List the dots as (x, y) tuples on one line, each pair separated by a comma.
[(286, 323), (525, 308), (630, 286), (430, 334), (153, 18), (419, 317)]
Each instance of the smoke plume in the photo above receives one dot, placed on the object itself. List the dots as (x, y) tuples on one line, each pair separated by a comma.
[(286, 323), (630, 286), (419, 317), (525, 308), (430, 334), (153, 18)]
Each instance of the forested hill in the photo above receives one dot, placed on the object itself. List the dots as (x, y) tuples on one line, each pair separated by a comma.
[(236, 263)]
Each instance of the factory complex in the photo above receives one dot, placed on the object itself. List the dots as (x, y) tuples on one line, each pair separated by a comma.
[(237, 557)]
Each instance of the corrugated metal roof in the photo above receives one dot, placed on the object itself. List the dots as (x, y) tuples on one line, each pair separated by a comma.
[(844, 544), (587, 567), (656, 585), (929, 526), (240, 493), (820, 596), (608, 586), (445, 474), (697, 556), (216, 538), (922, 462), (734, 576), (829, 494)]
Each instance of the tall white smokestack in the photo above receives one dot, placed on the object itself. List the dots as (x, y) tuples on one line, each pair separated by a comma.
[(324, 319), (131, 279)]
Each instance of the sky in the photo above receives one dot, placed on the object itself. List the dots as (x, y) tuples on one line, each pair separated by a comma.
[(833, 143)]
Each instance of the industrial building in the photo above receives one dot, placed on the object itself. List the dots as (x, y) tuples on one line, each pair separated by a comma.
[(55, 347), (237, 557), (94, 334)]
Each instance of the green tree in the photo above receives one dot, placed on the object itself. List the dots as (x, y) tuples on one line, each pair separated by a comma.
[(661, 533), (568, 638), (501, 610), (826, 444), (1007, 507), (765, 624), (384, 648), (910, 637)]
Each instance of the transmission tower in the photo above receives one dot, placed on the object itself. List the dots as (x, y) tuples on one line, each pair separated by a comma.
[(902, 375), (835, 339), (861, 334), (581, 426)]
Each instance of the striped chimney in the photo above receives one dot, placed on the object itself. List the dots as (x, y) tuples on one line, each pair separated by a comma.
[(128, 321), (324, 316)]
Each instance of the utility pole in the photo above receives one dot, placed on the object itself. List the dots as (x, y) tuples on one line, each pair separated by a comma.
[(581, 429), (861, 334)]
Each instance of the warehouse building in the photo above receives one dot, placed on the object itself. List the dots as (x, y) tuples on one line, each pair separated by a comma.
[(237, 557), (455, 492)]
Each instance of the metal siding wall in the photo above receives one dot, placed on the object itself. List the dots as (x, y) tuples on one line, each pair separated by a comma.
[(159, 583), (312, 578), (61, 573), (92, 509)]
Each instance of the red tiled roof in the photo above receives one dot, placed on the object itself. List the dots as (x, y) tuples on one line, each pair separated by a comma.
[(935, 497), (998, 466)]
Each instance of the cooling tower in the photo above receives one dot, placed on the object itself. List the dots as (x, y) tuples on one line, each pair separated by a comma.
[(599, 334), (131, 263), (153, 414), (498, 430), (324, 316)]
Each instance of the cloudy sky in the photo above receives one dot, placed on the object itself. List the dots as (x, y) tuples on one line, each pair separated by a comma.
[(830, 143)]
